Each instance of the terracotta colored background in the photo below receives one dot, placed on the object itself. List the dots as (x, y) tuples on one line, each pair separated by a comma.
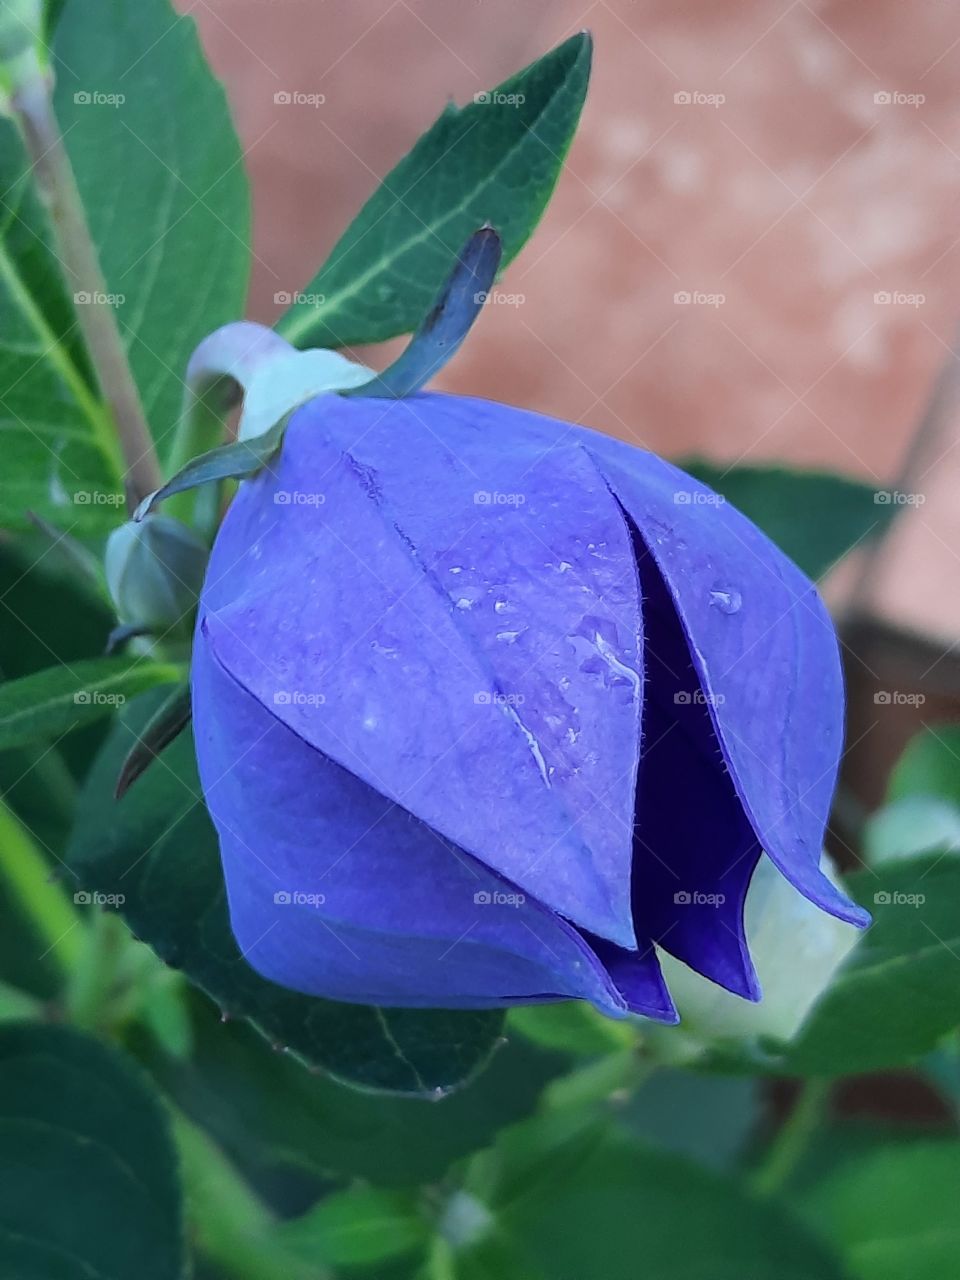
[(822, 170)]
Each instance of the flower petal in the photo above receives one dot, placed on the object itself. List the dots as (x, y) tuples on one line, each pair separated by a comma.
[(532, 552), (337, 892), (320, 607), (765, 652)]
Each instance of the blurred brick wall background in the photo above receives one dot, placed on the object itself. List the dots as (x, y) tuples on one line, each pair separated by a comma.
[(800, 160)]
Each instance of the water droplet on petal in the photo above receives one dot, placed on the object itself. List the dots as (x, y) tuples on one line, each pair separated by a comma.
[(726, 599)]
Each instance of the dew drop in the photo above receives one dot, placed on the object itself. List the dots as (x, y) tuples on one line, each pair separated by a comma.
[(726, 599)]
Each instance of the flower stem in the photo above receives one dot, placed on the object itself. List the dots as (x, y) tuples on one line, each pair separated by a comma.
[(230, 1224), (791, 1142), (27, 873), (32, 106)]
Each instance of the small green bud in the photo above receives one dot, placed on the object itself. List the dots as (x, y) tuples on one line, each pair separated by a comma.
[(154, 570)]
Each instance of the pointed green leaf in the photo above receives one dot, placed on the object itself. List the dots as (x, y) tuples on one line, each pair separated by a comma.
[(50, 703), (233, 461), (494, 161), (169, 719), (898, 993)]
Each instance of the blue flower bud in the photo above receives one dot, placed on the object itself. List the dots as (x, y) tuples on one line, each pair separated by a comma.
[(154, 571), (493, 709)]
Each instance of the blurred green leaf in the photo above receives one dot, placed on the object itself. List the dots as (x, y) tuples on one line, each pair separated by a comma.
[(493, 161), (358, 1227), (88, 1182), (47, 704), (893, 1211), (158, 848), (930, 766), (161, 176), (707, 1118), (60, 457), (572, 1026), (899, 991), (814, 516), (580, 1202)]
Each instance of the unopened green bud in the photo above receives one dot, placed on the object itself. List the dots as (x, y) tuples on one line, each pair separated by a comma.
[(155, 569)]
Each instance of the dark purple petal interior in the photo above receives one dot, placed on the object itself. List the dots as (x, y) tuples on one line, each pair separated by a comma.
[(695, 849), (765, 652)]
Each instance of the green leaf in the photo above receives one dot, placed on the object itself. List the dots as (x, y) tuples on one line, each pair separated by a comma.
[(88, 1184), (50, 703), (709, 1118), (572, 1026), (357, 1228), (814, 516), (583, 1203), (893, 1211), (494, 161), (169, 719), (898, 993), (930, 766), (161, 177), (271, 1116), (234, 461), (158, 848), (60, 457)]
